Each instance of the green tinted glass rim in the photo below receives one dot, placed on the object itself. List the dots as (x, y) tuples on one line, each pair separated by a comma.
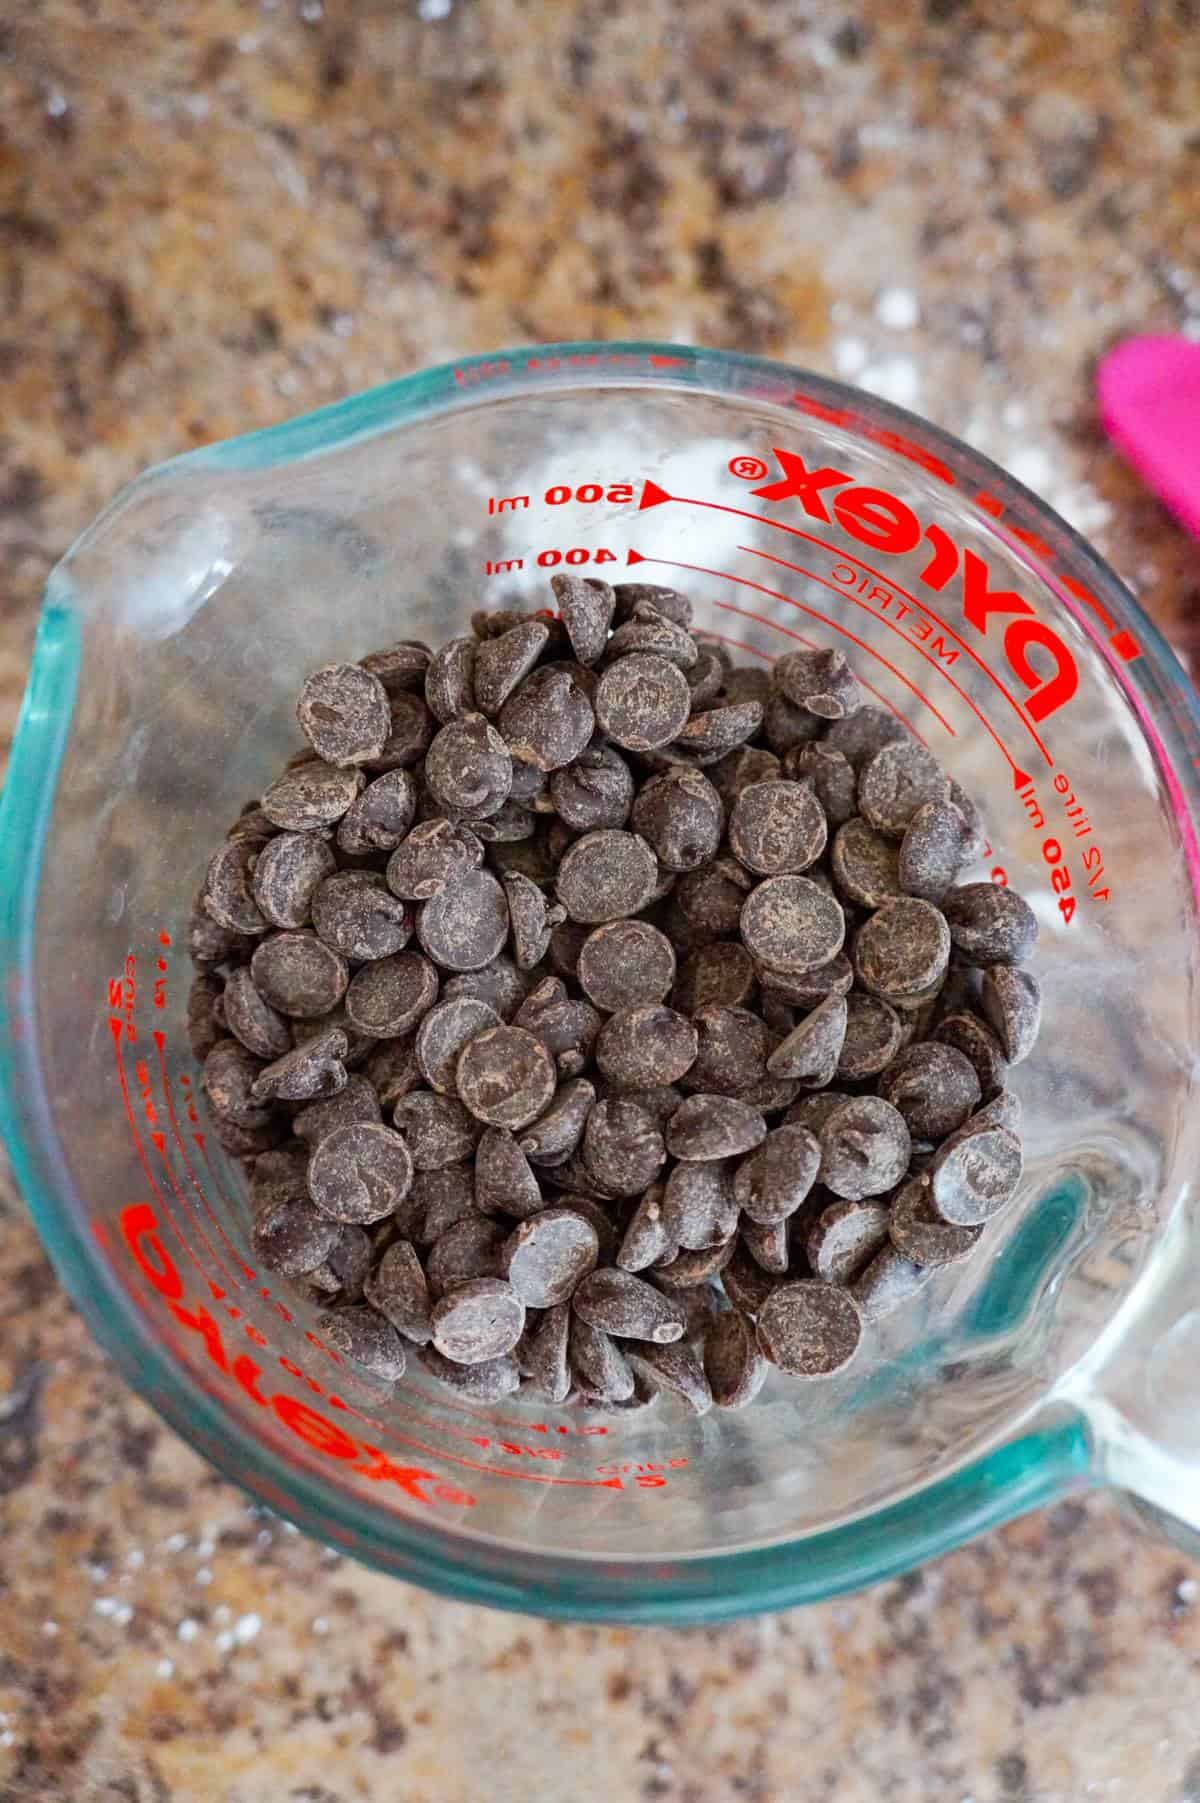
[(1041, 1465)]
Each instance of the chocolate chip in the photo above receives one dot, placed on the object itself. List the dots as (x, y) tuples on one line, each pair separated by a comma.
[(499, 983), (865, 865), (680, 815), (567, 1028), (720, 975), (732, 1050), (675, 1369), (388, 997), (292, 1237), (831, 777), (210, 944), (364, 1337), (468, 1250), (717, 730), (844, 1239), (777, 827), (874, 1035), (313, 1070), (714, 1126), (594, 792), (932, 851), (556, 1133), (506, 1077), (709, 900), (744, 1281), (650, 631), (397, 1290), (1003, 1110), (359, 1173), (706, 678), (768, 1246), (228, 892), (699, 1206), (810, 1329), (299, 975), (629, 596), (548, 1256), (733, 1364), (887, 1283), (903, 950), (606, 876), (504, 1182), (450, 680), (918, 1232), (437, 1129), (975, 1174), (896, 782), (776, 1179), (504, 661), (409, 737), (865, 1146), (738, 769), (548, 719), (622, 1147), (436, 853), (467, 768), (356, 913), (357, 1102), (286, 875), (203, 1032), (391, 1067), (819, 680), (979, 1045), (1011, 1000), (805, 988), (647, 1237), (624, 963), (644, 1046), (443, 1033), (629, 1308), (785, 726), (860, 735), (934, 1086), (490, 1381), (344, 714), (688, 1270), (791, 924), (312, 795), (400, 668), (531, 919), (252, 1020), (466, 924), (586, 609), (545, 1354), (811, 1051), (597, 1363), (478, 1320), (643, 702)]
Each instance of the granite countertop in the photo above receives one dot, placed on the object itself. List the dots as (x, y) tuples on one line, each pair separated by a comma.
[(214, 215)]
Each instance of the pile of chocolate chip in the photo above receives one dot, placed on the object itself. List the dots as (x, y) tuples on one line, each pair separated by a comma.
[(594, 1015)]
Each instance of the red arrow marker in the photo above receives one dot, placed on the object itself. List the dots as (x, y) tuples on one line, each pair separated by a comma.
[(1020, 778), (634, 557), (653, 496)]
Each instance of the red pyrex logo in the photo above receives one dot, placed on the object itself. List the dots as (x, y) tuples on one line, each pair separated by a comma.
[(1040, 661), (140, 1229)]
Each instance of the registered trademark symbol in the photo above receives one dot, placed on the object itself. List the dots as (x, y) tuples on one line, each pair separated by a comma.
[(750, 469)]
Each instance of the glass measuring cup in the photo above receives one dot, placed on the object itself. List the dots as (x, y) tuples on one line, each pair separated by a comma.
[(174, 638)]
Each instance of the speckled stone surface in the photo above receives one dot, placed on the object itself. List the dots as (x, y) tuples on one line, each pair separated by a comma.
[(214, 215)]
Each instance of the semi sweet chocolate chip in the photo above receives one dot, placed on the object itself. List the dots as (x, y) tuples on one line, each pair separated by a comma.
[(733, 1364), (975, 1175), (647, 1238), (228, 893), (397, 1290), (586, 609), (506, 1077), (468, 1250), (646, 1045), (467, 768), (933, 850), (934, 1086), (548, 720), (699, 1207), (555, 1134), (360, 1173), (436, 852), (629, 1308), (898, 780), (820, 681), (622, 1147), (990, 925), (438, 1130), (400, 668), (344, 714), (680, 815), (675, 1369), (606, 876), (918, 1231), (356, 913), (251, 1019), (812, 1050), (902, 952), (480, 1319), (311, 795), (466, 924), (1011, 999), (287, 871), (874, 1035), (844, 1239), (366, 1338), (865, 1145), (626, 963), (312, 1070), (979, 1045), (389, 996), (776, 1179), (888, 1282), (443, 1033), (777, 828), (714, 1126), (643, 701), (809, 1329), (791, 924), (299, 974), (504, 661), (450, 680), (595, 792)]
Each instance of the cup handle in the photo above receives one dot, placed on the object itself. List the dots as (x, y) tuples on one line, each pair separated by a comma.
[(1141, 1394)]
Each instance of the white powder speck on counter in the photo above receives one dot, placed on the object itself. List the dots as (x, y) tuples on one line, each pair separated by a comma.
[(898, 309), (188, 1629), (895, 379), (849, 356), (1032, 466), (247, 1629)]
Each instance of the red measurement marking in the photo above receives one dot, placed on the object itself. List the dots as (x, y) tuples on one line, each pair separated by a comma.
[(160, 1043), (116, 1028), (789, 601), (657, 495), (1020, 777)]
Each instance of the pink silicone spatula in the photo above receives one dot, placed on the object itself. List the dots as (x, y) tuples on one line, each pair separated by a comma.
[(1149, 391)]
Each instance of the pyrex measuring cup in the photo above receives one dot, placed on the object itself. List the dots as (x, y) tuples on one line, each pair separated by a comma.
[(175, 636)]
